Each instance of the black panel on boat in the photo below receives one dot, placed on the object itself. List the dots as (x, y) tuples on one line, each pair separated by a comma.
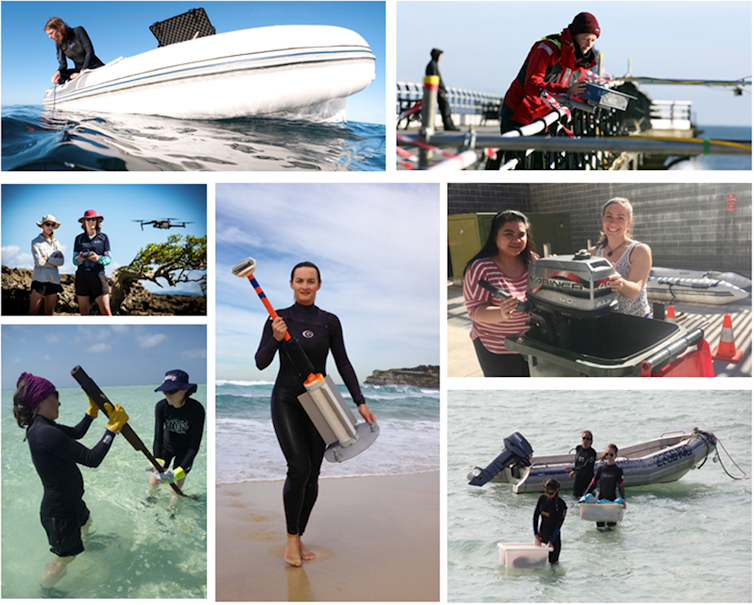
[(187, 26)]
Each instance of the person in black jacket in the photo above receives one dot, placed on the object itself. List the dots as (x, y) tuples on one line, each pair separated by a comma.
[(178, 428), (551, 508), (74, 44), (433, 69), (56, 454)]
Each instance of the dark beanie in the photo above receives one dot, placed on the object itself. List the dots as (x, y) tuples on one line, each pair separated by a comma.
[(585, 23)]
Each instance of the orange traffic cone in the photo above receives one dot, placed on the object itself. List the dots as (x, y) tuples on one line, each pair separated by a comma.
[(670, 314), (726, 349)]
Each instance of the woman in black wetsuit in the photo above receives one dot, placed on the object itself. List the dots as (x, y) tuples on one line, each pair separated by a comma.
[(583, 466), (551, 508), (609, 477), (74, 44), (55, 452), (178, 428), (318, 332)]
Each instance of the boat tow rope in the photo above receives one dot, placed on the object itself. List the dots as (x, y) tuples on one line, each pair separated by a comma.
[(720, 460)]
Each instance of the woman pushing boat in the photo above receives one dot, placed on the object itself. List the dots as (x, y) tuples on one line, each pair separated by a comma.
[(318, 333), (92, 250), (48, 256), (582, 470), (74, 44), (551, 509), (56, 454), (178, 428), (503, 261), (555, 64), (632, 259), (609, 479)]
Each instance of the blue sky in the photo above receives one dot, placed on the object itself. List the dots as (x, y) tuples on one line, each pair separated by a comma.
[(116, 355), (705, 40), (121, 29), (377, 247), (24, 205)]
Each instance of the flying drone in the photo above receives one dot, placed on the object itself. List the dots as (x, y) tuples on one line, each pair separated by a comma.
[(165, 223)]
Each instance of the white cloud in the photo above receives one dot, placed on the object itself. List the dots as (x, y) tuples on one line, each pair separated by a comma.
[(100, 347), (150, 341), (14, 258)]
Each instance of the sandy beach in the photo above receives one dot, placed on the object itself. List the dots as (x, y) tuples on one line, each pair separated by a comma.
[(376, 539)]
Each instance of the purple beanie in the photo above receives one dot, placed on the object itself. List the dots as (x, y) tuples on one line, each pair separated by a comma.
[(37, 389), (585, 23)]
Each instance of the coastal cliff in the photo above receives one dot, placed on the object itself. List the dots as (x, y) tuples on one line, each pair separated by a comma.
[(16, 285), (425, 377)]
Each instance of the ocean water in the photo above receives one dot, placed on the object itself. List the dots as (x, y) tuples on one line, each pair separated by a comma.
[(686, 541), (37, 139), (247, 449), (138, 547), (720, 162)]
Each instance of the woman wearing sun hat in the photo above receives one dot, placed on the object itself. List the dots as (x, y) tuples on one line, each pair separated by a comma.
[(92, 254), (48, 256), (178, 428)]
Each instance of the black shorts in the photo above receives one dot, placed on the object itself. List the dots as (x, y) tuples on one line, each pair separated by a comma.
[(168, 456), (64, 533), (91, 284), (46, 288)]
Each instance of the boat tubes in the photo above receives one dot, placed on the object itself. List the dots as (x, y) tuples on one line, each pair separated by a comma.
[(701, 290), (736, 279), (281, 70), (661, 460)]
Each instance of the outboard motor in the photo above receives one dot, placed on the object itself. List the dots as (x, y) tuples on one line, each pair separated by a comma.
[(516, 449), (566, 288)]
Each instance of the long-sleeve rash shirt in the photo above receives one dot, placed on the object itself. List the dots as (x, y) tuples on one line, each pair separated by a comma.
[(552, 512), (79, 49), (318, 332), (56, 452), (178, 432), (609, 478)]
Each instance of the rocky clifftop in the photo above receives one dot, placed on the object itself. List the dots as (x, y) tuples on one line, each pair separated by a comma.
[(426, 377), (137, 300)]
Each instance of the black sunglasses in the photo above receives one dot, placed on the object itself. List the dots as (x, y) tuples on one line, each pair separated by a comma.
[(172, 391), (49, 224)]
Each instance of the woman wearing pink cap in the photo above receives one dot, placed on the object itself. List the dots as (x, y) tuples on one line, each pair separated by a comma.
[(48, 256), (56, 454), (92, 254), (555, 64)]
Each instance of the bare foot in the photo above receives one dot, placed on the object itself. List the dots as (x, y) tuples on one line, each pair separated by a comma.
[(306, 555), (292, 554)]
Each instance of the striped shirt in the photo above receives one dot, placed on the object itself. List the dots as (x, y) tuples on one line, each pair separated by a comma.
[(493, 335)]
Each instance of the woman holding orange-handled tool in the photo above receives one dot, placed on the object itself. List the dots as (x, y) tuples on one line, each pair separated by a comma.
[(304, 335)]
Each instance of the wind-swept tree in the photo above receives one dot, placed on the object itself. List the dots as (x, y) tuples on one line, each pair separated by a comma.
[(181, 259)]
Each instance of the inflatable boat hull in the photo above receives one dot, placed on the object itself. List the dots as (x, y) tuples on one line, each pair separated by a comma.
[(700, 290), (660, 460), (292, 69)]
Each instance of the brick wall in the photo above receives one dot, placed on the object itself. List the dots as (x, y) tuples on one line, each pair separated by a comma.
[(686, 225), (487, 197)]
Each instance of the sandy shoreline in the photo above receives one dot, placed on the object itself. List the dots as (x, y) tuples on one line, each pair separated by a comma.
[(376, 539)]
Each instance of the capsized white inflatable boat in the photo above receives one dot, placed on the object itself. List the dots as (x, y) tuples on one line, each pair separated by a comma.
[(286, 69), (661, 460), (702, 290), (736, 279)]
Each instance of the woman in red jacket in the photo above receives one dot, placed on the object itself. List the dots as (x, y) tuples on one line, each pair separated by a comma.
[(556, 64)]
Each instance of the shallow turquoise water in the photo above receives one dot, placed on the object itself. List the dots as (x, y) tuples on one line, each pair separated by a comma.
[(686, 541), (138, 547)]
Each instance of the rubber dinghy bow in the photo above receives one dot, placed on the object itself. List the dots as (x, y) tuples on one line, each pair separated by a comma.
[(322, 401), (100, 399)]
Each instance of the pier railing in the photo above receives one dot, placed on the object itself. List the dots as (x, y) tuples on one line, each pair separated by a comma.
[(468, 107), (474, 108)]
